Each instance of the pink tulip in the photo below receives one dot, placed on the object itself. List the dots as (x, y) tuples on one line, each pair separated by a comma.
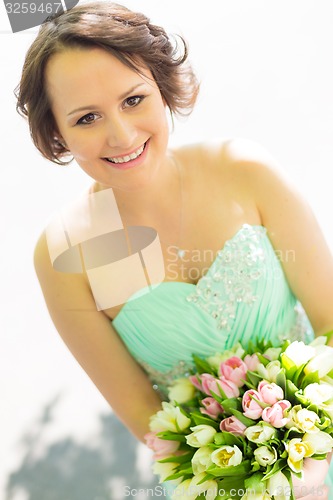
[(210, 383), (233, 425), (251, 362), (162, 447), (230, 388), (251, 408), (274, 414), (234, 370), (195, 379), (212, 407), (270, 393)]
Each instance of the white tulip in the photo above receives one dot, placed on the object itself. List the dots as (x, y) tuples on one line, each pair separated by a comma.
[(322, 362), (321, 340), (318, 393), (169, 419), (297, 450), (319, 443), (272, 353), (327, 409), (183, 491), (260, 433), (303, 419), (201, 435), (270, 371), (201, 460), (278, 485), (226, 456), (299, 353), (265, 456), (164, 469), (209, 486), (181, 391)]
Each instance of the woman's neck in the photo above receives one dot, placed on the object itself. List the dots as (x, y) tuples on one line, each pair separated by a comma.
[(153, 201)]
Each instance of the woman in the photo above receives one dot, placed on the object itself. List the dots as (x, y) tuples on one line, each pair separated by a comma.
[(170, 252)]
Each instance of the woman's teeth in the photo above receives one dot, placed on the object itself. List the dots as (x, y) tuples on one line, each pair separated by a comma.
[(125, 159)]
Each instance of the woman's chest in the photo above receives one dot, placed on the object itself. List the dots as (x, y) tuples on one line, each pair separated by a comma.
[(189, 239)]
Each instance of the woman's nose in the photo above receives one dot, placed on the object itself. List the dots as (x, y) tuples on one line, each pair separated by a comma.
[(121, 133)]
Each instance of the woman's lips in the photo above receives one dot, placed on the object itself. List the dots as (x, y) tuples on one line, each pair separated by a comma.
[(131, 163)]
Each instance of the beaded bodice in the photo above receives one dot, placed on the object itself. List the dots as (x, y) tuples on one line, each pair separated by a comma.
[(243, 295)]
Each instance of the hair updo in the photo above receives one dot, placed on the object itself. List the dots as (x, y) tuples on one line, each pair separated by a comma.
[(127, 35)]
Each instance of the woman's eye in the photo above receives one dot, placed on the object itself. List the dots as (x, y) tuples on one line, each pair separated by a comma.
[(133, 101), (86, 119)]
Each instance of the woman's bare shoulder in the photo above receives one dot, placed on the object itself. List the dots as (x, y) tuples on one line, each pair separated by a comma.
[(231, 160), (225, 152)]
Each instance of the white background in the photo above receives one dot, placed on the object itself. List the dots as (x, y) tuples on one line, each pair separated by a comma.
[(265, 68)]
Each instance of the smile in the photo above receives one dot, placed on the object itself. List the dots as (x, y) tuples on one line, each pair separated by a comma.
[(127, 158)]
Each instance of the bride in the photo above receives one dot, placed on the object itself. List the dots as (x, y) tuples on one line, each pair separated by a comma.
[(170, 252)]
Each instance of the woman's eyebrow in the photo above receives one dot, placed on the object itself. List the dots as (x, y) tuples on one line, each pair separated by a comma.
[(122, 96)]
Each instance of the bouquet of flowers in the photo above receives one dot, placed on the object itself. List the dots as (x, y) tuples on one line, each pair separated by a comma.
[(241, 425)]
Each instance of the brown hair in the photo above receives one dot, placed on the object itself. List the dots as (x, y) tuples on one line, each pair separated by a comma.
[(129, 36)]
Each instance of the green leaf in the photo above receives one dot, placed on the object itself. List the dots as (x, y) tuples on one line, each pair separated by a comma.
[(231, 403), (171, 436), (227, 438), (242, 418), (205, 478), (219, 397), (260, 403), (319, 457), (254, 378), (281, 380), (252, 347), (291, 390), (279, 465), (293, 432), (229, 487), (285, 344), (301, 398), (299, 374), (255, 482), (289, 366), (255, 466), (325, 422), (230, 471), (288, 475), (310, 378), (177, 475), (185, 468), (200, 419), (202, 365), (182, 410), (329, 335), (262, 359), (179, 459)]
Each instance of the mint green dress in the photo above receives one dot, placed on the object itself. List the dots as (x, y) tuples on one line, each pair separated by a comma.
[(243, 296)]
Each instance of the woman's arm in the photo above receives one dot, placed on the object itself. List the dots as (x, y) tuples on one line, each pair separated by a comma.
[(293, 230), (95, 344)]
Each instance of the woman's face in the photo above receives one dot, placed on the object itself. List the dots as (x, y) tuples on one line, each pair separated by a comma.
[(112, 119)]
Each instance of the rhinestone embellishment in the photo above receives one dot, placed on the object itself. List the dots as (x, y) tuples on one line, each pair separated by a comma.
[(231, 278), (162, 380)]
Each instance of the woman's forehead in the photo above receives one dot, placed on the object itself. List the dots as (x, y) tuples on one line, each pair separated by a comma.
[(76, 72)]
